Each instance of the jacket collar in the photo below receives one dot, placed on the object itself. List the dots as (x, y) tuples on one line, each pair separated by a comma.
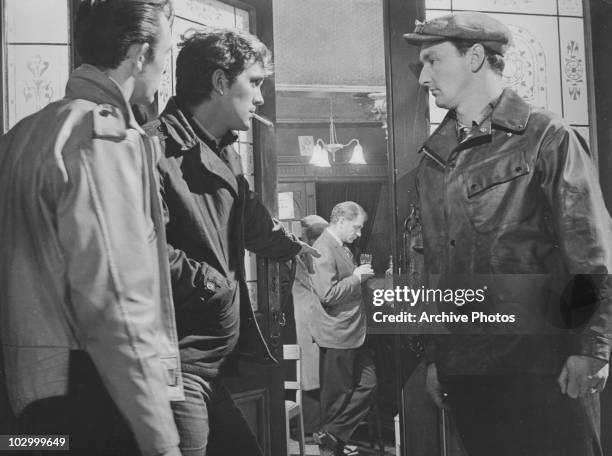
[(89, 83), (185, 133), (511, 113)]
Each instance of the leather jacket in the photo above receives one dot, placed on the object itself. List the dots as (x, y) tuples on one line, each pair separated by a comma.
[(83, 263), (518, 199)]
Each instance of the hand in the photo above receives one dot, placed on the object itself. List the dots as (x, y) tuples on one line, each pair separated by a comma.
[(582, 375), (363, 271), (307, 249), (433, 387)]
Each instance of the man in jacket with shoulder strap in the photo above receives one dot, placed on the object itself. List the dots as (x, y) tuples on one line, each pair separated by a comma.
[(86, 315), (212, 217), (509, 195)]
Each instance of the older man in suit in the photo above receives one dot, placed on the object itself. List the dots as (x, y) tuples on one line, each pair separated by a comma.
[(348, 378)]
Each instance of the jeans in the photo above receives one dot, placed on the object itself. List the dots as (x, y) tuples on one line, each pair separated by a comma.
[(210, 423)]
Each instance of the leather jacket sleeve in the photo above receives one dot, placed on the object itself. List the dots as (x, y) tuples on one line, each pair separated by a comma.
[(584, 231), (109, 240)]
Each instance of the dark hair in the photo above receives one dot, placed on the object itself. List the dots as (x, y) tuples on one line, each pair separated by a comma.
[(347, 209), (204, 51), (105, 29), (495, 60)]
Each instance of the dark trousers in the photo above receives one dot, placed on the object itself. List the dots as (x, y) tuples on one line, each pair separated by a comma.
[(522, 415), (209, 422), (87, 414), (348, 382)]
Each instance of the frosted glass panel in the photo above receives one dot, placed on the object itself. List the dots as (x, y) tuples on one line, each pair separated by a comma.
[(209, 12), (508, 6), (570, 8), (37, 21), (37, 75)]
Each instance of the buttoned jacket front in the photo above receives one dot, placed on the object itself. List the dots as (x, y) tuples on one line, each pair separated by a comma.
[(519, 199)]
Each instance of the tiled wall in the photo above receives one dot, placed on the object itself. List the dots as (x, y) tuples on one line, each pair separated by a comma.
[(546, 65), (37, 37)]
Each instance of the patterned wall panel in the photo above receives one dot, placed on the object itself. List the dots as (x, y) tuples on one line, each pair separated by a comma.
[(37, 21), (209, 12), (508, 6), (573, 71), (37, 75), (570, 8)]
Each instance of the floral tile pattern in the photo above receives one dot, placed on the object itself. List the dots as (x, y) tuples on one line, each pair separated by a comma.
[(37, 75), (573, 71)]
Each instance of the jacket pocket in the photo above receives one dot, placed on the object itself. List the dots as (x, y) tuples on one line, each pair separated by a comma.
[(495, 191)]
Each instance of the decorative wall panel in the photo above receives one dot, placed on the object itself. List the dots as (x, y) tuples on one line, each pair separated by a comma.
[(37, 21), (508, 6), (208, 12), (573, 71), (37, 75), (570, 8)]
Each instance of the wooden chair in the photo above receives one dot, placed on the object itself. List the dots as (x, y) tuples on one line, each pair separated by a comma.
[(293, 409)]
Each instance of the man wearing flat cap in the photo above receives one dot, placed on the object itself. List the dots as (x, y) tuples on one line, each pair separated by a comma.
[(510, 191)]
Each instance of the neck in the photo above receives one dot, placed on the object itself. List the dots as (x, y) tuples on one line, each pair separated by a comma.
[(124, 79), (334, 230), (207, 113), (483, 91)]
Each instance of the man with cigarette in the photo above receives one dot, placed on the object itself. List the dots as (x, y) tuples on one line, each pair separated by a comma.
[(212, 217), (509, 191)]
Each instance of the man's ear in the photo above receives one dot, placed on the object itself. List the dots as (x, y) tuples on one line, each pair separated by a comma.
[(137, 54), (477, 57), (219, 81)]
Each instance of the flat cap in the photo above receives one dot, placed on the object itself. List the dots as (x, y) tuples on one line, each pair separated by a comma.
[(464, 25)]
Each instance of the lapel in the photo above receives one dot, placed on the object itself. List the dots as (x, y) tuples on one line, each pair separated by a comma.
[(216, 166)]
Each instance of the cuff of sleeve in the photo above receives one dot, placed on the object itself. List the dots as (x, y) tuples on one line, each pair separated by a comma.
[(593, 346)]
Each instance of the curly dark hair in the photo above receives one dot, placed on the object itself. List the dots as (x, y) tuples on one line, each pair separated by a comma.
[(204, 51), (105, 29)]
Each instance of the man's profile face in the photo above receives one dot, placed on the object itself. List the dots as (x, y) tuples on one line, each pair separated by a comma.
[(242, 98), (446, 73), (148, 80), (349, 230)]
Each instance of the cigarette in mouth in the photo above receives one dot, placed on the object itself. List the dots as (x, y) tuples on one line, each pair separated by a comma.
[(263, 120)]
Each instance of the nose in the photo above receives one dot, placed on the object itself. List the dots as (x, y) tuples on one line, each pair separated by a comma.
[(424, 77), (258, 97)]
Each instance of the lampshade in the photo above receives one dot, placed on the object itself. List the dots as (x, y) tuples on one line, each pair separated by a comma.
[(319, 157), (357, 157)]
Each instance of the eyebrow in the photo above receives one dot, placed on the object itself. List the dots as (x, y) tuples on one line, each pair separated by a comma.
[(427, 54)]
